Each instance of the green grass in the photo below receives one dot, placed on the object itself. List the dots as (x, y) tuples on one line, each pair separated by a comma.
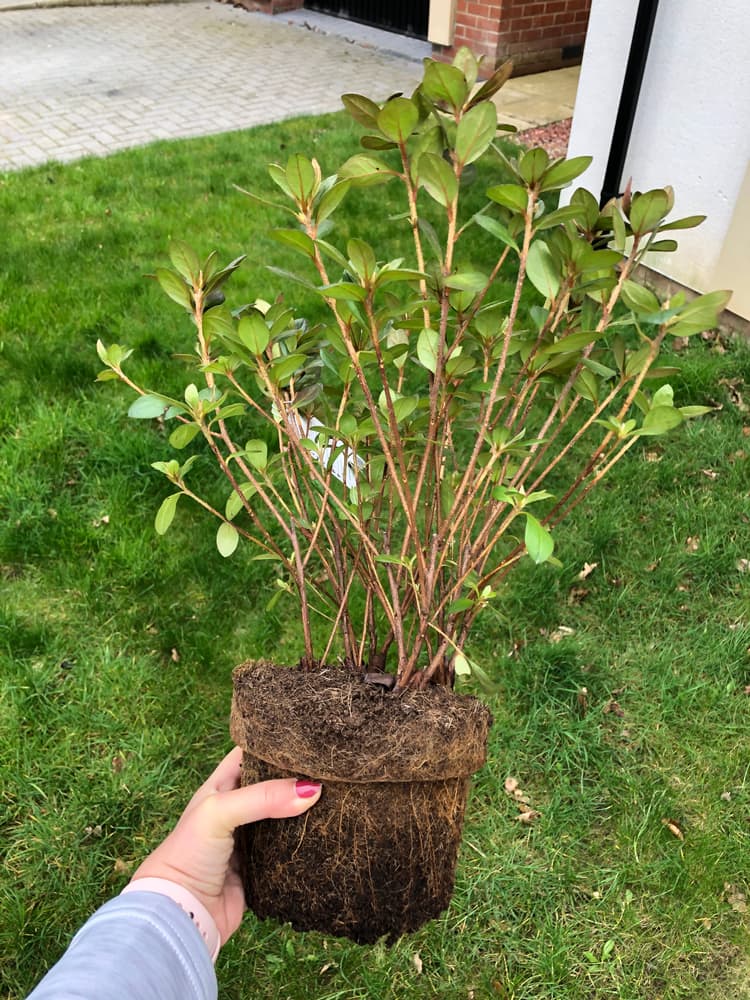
[(116, 647)]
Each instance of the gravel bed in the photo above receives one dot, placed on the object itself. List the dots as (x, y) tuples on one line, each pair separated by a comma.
[(554, 137)]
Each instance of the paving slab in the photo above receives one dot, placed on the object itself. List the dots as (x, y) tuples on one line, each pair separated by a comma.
[(90, 80)]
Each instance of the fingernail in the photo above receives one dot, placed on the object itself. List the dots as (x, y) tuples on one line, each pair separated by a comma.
[(306, 789)]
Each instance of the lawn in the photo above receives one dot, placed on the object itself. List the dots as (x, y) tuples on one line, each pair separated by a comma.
[(624, 677)]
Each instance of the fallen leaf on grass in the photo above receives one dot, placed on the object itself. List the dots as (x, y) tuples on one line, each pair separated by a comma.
[(726, 796), (736, 899), (578, 595), (528, 817), (560, 633), (673, 828), (732, 385), (416, 961), (653, 456), (743, 565), (710, 474), (174, 655), (588, 569), (515, 792), (121, 867), (613, 707)]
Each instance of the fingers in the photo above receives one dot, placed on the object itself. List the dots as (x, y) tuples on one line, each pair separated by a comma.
[(275, 799), (227, 774)]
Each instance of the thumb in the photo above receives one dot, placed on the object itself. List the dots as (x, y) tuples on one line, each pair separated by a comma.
[(275, 799)]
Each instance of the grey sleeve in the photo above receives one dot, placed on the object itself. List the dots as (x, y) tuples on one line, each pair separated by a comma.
[(138, 945)]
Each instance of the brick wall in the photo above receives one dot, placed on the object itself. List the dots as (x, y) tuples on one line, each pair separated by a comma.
[(536, 34)]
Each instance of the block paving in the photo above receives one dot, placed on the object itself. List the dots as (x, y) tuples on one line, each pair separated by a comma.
[(79, 81)]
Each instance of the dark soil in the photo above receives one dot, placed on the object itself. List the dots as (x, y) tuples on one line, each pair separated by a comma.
[(377, 854)]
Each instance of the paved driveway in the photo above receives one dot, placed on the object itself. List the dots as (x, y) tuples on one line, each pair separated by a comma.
[(89, 80)]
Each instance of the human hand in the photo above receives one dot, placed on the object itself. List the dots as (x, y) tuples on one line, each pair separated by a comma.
[(198, 854)]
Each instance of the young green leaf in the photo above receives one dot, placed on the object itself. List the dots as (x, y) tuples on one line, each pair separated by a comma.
[(183, 434), (165, 513), (227, 539), (475, 132), (437, 178), (541, 269), (538, 540)]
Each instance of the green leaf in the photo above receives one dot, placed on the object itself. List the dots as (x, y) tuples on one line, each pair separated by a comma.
[(541, 270), (165, 513), (182, 435), (461, 666), (459, 605), (227, 538), (256, 452), (491, 86), (331, 200), (363, 170), (345, 290), (185, 260), (175, 287), (404, 406), (254, 333), (565, 345), (559, 175), (533, 164), (638, 298), (550, 219), (538, 540), (398, 118), (437, 178), (689, 412), (664, 396), (648, 209), (427, 348), (467, 62), (300, 177), (362, 258), (446, 84), (295, 238), (497, 229), (278, 176), (689, 222), (475, 132), (283, 368), (362, 109), (662, 246), (700, 314), (511, 196), (147, 407), (235, 503), (467, 281), (661, 419)]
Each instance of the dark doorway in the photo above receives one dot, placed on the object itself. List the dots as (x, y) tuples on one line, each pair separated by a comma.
[(392, 15)]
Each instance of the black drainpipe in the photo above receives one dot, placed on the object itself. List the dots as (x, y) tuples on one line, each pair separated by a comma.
[(631, 89)]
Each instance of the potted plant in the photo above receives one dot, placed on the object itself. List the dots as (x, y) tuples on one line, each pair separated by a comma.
[(397, 460)]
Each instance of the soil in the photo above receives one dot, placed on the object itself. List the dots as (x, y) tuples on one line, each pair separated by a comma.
[(377, 854)]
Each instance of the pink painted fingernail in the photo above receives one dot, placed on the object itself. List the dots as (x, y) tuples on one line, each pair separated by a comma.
[(306, 789)]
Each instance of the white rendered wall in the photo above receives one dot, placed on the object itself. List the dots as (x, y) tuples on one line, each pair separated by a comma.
[(692, 126)]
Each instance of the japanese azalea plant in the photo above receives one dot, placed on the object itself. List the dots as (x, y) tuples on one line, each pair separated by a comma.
[(398, 459)]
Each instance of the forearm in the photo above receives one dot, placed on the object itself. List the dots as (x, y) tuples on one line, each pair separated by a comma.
[(137, 945)]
